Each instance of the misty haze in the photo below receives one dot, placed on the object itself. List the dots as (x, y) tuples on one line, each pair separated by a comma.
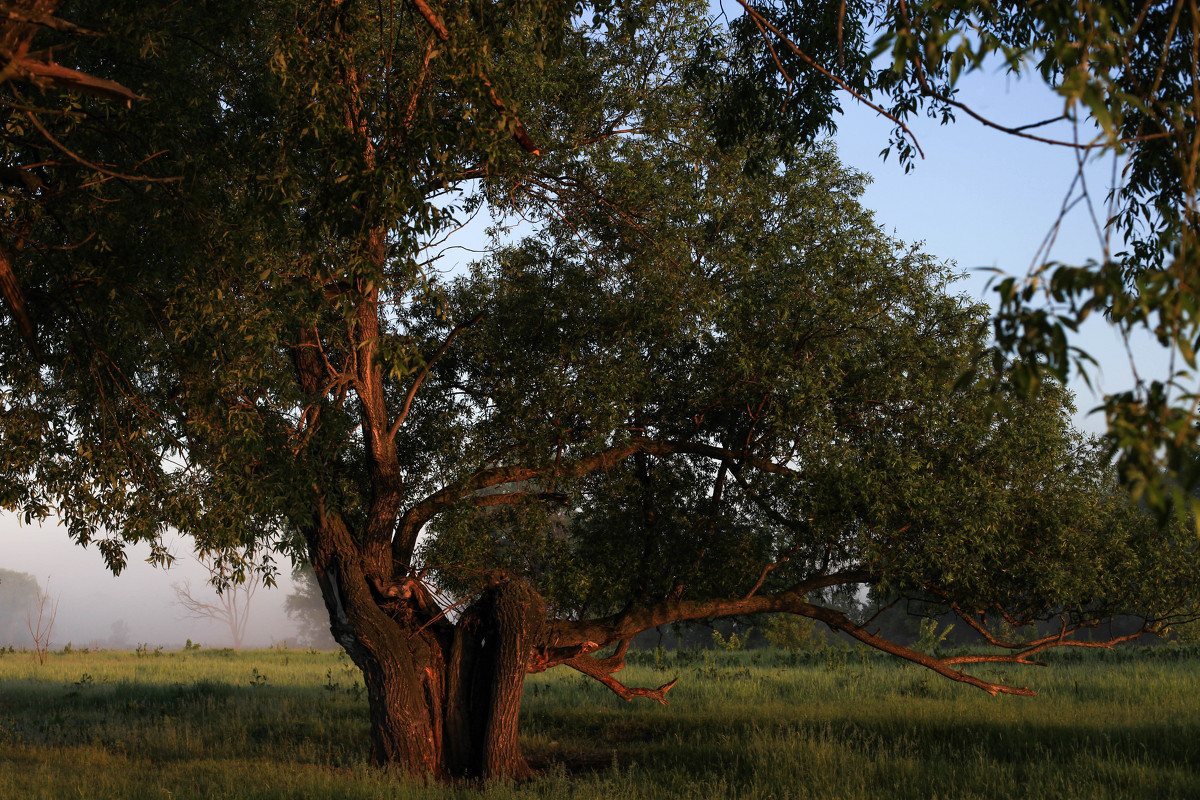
[(140, 606)]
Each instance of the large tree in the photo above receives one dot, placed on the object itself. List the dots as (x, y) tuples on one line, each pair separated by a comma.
[(1125, 73), (705, 384)]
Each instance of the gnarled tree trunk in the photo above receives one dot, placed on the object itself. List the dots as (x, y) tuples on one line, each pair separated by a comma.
[(444, 698)]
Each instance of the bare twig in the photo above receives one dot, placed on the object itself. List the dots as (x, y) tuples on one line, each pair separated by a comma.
[(42, 629), (762, 22), (84, 162)]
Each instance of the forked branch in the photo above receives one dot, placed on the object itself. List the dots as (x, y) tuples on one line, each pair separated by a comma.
[(1034, 646), (603, 669), (41, 630), (424, 373), (443, 33)]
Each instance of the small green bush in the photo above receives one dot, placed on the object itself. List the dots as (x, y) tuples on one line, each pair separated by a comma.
[(792, 632)]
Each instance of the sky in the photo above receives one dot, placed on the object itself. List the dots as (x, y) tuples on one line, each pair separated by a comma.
[(979, 197), (987, 201)]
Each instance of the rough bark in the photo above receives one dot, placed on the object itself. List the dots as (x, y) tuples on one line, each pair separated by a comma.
[(402, 670), (489, 657), (444, 699)]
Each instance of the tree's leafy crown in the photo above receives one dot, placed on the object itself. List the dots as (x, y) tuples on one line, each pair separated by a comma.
[(704, 372)]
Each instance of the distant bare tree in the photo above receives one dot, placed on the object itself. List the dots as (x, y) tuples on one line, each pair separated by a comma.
[(42, 628), (230, 604), (119, 635)]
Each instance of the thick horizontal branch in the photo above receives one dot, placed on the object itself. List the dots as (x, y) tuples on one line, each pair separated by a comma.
[(513, 498), (731, 457), (563, 635), (421, 513)]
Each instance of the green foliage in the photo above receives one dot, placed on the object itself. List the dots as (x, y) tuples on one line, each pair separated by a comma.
[(790, 632), (1185, 633), (930, 638), (733, 643), (700, 371), (801, 369), (1125, 75), (168, 396)]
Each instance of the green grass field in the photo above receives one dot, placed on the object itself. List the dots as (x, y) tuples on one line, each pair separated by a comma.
[(290, 724)]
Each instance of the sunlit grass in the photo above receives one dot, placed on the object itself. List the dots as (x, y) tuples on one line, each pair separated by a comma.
[(286, 723)]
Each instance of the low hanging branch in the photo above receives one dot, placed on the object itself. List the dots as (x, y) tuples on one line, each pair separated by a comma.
[(1034, 646), (569, 642), (603, 669), (573, 642)]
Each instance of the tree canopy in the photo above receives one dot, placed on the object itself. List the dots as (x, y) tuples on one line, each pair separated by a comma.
[(697, 381)]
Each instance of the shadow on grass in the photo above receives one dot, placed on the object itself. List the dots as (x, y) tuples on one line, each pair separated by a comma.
[(204, 719), (902, 747), (740, 750)]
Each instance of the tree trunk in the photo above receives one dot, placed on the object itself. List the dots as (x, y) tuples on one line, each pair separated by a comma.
[(489, 656), (404, 694), (444, 700)]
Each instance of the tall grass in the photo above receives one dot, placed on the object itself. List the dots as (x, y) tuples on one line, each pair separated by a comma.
[(285, 723)]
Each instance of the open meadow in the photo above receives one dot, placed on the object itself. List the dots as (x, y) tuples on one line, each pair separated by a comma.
[(763, 724)]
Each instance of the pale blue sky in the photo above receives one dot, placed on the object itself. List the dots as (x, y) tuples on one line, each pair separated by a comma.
[(987, 199)]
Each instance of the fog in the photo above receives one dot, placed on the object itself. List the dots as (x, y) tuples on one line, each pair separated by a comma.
[(91, 600)]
